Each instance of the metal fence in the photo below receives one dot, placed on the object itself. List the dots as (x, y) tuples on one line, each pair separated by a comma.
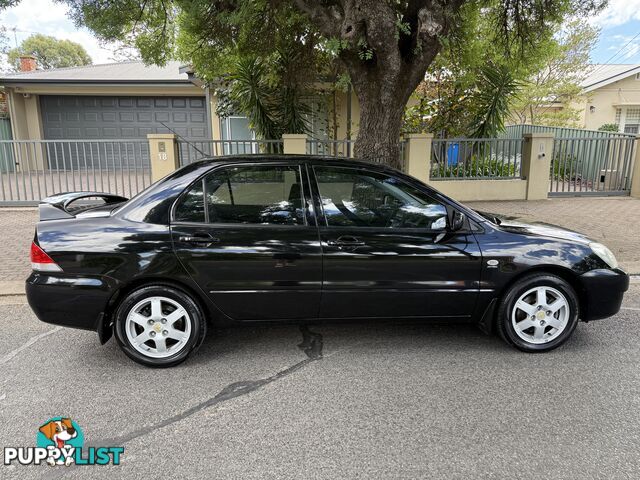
[(5, 129), (34, 169), (194, 151), (592, 166), (344, 148), (476, 158), (331, 148), (512, 131)]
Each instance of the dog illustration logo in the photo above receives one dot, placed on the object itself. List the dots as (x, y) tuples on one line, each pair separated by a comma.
[(62, 436)]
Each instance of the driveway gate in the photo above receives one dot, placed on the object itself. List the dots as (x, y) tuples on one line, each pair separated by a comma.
[(34, 169), (592, 165)]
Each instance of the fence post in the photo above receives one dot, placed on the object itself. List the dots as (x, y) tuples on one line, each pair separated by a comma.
[(418, 155), (635, 173), (294, 143), (536, 163), (163, 154)]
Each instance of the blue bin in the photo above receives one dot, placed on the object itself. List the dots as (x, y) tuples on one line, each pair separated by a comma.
[(452, 154)]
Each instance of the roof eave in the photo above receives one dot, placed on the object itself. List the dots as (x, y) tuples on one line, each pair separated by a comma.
[(610, 80)]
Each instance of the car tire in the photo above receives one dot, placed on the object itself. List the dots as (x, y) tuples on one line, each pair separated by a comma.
[(159, 325), (528, 317)]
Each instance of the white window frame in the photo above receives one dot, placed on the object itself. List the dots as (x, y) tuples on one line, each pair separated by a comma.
[(225, 134), (623, 118)]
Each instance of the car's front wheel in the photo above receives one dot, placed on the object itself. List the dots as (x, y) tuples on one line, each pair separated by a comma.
[(538, 313), (159, 326)]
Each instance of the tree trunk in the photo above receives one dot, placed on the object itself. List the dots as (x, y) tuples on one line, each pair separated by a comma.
[(385, 60), (380, 124)]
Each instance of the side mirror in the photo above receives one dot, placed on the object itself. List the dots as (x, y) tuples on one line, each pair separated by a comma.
[(457, 221)]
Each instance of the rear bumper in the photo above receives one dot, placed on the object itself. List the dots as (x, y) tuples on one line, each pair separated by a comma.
[(603, 292), (67, 300)]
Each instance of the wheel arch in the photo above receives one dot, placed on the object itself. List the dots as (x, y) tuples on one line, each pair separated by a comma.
[(106, 324), (566, 274)]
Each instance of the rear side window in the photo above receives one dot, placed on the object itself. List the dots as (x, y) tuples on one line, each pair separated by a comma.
[(268, 194), (191, 205)]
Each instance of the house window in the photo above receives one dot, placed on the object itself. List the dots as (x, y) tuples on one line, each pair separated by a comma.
[(628, 119), (317, 118), (632, 120), (236, 129)]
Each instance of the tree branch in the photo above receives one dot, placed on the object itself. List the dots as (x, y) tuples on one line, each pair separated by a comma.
[(327, 16)]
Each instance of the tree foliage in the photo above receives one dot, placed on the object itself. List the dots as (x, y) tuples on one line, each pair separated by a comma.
[(446, 101), (492, 99), (273, 109), (50, 52), (550, 93), (385, 47)]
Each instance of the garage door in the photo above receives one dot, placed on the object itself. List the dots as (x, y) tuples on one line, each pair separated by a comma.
[(83, 117), (114, 129)]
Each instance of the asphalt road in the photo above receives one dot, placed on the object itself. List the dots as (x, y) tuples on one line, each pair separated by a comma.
[(334, 401)]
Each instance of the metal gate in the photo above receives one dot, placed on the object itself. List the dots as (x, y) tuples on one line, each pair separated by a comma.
[(45, 167), (592, 166)]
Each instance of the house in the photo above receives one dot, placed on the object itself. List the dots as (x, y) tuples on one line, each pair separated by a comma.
[(112, 101), (128, 101), (612, 96)]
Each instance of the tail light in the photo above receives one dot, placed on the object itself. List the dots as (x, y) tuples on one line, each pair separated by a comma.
[(42, 262)]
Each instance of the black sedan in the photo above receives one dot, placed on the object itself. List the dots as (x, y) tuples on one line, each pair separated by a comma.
[(238, 240)]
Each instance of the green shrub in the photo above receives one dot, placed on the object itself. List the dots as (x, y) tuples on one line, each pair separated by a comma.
[(608, 127), (476, 167), (565, 167)]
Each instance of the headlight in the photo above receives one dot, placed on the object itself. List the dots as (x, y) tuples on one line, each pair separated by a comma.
[(605, 254)]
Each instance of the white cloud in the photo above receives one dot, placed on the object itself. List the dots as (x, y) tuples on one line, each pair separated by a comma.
[(618, 12), (49, 18)]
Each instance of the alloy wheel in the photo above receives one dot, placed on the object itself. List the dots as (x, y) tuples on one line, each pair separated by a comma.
[(540, 315), (158, 327)]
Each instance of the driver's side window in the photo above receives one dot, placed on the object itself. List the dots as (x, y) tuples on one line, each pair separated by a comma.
[(359, 197)]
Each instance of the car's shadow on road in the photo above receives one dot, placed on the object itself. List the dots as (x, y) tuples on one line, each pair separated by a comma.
[(372, 338)]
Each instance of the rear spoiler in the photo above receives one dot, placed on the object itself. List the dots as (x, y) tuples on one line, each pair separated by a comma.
[(58, 206)]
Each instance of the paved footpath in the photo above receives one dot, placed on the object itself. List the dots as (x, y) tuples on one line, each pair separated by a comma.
[(614, 221)]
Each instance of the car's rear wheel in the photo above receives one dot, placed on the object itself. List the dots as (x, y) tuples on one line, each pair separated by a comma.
[(538, 313), (159, 326)]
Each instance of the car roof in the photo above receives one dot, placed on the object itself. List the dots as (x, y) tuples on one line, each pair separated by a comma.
[(279, 158)]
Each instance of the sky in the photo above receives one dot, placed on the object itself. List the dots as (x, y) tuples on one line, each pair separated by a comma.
[(619, 23), (619, 40), (45, 16)]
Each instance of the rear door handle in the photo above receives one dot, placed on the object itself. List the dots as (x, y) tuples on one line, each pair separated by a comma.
[(346, 241), (199, 239)]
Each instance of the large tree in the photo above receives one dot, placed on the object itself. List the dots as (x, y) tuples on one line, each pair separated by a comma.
[(50, 52), (385, 46)]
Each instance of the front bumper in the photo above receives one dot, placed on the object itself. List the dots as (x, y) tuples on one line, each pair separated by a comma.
[(69, 300), (603, 291)]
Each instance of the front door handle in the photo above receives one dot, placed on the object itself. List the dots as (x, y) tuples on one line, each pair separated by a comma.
[(346, 241), (206, 239)]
